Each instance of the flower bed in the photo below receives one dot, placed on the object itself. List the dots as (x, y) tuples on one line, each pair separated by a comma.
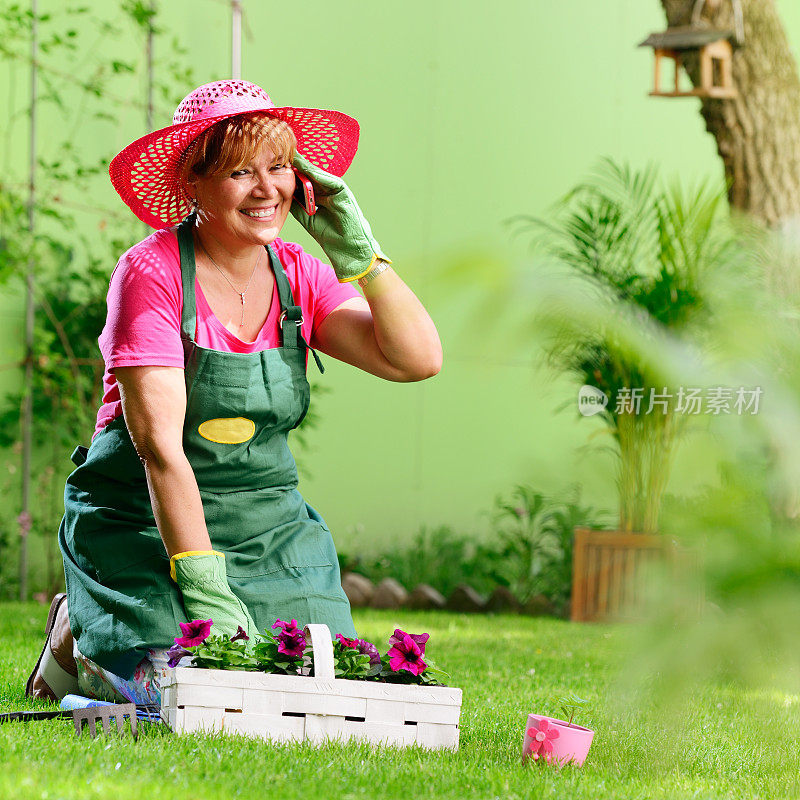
[(318, 707)]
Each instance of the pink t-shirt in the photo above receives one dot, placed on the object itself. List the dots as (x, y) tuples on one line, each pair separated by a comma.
[(145, 297)]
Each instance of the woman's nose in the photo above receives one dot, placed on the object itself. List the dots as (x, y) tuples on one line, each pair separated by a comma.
[(265, 184)]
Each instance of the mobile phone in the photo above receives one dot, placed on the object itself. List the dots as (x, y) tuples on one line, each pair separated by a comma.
[(304, 193)]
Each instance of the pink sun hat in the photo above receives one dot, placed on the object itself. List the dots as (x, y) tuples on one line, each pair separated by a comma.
[(146, 173)]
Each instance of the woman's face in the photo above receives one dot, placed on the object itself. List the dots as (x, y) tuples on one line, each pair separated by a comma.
[(249, 206)]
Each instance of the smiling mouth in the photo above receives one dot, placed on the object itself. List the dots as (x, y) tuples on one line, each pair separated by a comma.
[(266, 213)]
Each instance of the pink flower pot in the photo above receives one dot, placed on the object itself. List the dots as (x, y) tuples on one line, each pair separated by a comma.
[(556, 740)]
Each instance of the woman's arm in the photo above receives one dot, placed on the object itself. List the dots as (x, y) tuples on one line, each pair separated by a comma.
[(387, 333), (154, 405)]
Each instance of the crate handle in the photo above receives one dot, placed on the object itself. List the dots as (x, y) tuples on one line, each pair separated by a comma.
[(323, 650)]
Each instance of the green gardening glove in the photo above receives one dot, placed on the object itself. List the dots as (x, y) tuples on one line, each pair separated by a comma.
[(203, 582), (339, 226)]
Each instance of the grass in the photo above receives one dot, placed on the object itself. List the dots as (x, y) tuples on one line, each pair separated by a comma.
[(726, 742)]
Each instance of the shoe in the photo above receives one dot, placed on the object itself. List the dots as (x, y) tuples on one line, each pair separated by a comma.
[(51, 620)]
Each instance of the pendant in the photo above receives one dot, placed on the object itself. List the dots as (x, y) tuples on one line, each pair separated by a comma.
[(241, 324)]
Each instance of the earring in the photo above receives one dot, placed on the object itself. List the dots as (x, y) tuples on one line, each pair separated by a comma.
[(193, 200)]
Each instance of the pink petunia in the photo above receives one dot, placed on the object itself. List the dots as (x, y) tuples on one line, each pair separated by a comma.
[(194, 632), (407, 654), (291, 640), (285, 626), (542, 739)]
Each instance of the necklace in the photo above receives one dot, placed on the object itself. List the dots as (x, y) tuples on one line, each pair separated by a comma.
[(222, 272)]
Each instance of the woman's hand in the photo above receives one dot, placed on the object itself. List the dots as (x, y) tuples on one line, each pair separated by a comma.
[(203, 582), (339, 226)]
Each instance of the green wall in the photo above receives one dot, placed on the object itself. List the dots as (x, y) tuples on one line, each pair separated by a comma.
[(471, 113)]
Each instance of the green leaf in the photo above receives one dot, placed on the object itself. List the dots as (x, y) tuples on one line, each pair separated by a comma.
[(121, 66)]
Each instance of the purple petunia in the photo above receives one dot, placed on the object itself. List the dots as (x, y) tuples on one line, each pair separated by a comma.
[(367, 648), (291, 640), (240, 634), (194, 632), (176, 653)]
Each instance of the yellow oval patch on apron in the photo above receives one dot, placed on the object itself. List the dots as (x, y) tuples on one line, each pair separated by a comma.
[(233, 430)]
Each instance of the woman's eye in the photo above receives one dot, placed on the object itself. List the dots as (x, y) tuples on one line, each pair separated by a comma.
[(238, 173), (280, 167)]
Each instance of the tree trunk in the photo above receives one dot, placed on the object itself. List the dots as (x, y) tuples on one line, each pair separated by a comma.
[(757, 133)]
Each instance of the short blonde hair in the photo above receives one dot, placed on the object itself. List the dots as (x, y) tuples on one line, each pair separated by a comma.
[(232, 143)]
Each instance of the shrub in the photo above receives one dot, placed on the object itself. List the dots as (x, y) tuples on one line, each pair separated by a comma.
[(530, 550)]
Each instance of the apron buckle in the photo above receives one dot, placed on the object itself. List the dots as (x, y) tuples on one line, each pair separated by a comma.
[(282, 317)]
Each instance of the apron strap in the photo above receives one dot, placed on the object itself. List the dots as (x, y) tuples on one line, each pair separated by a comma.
[(291, 318), (188, 273)]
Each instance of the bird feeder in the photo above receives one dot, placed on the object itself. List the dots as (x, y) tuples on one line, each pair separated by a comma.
[(713, 47)]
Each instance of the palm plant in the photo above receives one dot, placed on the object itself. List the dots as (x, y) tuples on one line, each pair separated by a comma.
[(535, 534), (651, 251), (528, 541)]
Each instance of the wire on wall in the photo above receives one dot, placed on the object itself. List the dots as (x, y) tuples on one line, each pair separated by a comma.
[(27, 407)]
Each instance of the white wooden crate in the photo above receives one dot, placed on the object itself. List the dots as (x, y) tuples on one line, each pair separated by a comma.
[(318, 708)]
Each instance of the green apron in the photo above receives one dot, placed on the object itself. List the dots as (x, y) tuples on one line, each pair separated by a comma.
[(279, 554)]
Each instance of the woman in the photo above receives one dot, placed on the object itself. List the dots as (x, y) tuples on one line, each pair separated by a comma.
[(186, 504)]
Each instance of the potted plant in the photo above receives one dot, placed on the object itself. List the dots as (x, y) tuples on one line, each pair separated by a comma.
[(549, 740), (646, 252), (297, 685)]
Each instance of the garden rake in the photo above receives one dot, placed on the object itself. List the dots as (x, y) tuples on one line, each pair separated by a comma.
[(85, 718)]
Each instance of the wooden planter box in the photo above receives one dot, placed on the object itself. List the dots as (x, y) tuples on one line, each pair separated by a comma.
[(293, 708), (611, 572)]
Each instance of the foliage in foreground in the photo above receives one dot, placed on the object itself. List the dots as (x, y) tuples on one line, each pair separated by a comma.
[(654, 253), (743, 520), (741, 509)]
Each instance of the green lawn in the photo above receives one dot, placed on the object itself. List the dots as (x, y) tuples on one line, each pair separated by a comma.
[(727, 742)]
